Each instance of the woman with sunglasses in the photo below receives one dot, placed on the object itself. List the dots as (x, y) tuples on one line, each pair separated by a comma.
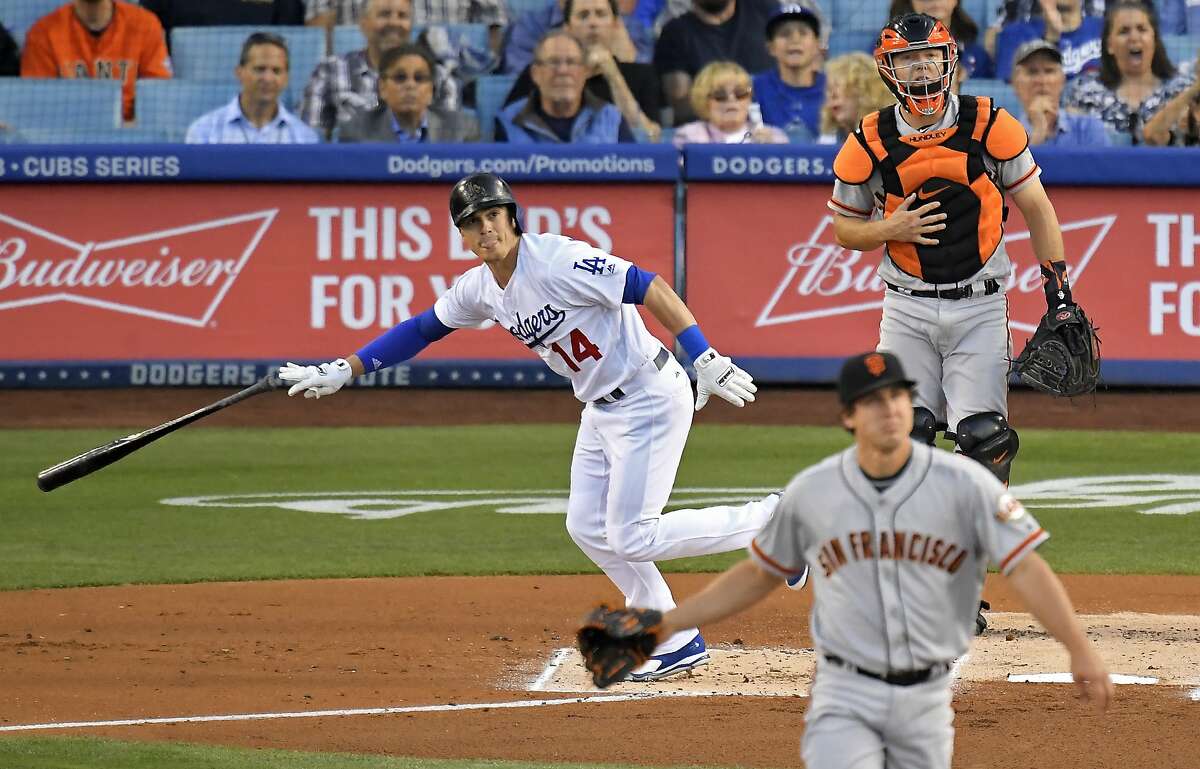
[(721, 95), (404, 113)]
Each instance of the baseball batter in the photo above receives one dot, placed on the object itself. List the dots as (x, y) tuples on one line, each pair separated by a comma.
[(899, 536), (575, 306), (926, 179)]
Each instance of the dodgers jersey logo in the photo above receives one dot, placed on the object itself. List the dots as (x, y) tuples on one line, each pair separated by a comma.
[(534, 329)]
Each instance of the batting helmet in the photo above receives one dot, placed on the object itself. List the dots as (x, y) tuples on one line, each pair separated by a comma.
[(914, 32), (477, 192)]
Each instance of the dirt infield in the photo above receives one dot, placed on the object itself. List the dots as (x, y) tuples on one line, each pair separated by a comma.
[(242, 648), (454, 654)]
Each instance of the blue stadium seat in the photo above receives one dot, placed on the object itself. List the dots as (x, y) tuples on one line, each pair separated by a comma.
[(490, 91), (170, 106), (209, 54), (101, 136), (864, 16), (81, 104), (1182, 49), (347, 38), (978, 11), (851, 41), (19, 15), (999, 91), (518, 7)]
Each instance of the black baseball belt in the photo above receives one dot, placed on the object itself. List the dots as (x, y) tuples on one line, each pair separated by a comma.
[(893, 677), (617, 394), (987, 287)]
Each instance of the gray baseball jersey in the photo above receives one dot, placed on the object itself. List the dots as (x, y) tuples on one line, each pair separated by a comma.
[(862, 201), (897, 574)]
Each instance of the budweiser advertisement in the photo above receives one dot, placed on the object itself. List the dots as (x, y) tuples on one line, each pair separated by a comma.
[(262, 272), (766, 274)]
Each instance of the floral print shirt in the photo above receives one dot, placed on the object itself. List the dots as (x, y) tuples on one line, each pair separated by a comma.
[(1086, 94)]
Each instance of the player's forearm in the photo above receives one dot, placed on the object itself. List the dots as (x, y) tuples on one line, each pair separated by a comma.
[(736, 590), (860, 234), (667, 308), (1044, 232), (1046, 598)]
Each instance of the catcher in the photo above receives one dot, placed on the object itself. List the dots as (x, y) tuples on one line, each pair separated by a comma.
[(899, 536)]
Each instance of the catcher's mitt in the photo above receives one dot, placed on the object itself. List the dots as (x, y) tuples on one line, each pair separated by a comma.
[(1063, 355), (615, 641)]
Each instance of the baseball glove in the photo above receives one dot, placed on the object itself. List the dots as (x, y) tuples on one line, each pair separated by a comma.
[(615, 641), (1063, 355)]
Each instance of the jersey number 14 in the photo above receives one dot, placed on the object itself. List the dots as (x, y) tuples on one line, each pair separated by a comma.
[(582, 348)]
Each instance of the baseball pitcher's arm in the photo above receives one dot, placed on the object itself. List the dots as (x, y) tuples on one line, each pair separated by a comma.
[(1046, 598), (739, 588)]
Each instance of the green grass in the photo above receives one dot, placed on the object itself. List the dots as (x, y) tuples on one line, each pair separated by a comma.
[(74, 753), (111, 528)]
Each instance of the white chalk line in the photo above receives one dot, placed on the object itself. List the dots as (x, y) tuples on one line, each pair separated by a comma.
[(556, 660), (354, 712)]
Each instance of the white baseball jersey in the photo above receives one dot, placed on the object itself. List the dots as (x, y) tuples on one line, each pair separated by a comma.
[(563, 302), (896, 574), (862, 201)]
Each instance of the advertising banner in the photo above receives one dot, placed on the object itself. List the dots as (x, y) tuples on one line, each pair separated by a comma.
[(772, 285), (263, 272)]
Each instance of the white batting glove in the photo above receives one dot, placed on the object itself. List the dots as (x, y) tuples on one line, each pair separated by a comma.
[(716, 375), (316, 381)]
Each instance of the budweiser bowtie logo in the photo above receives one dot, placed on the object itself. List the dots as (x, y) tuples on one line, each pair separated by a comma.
[(178, 275), (824, 279)]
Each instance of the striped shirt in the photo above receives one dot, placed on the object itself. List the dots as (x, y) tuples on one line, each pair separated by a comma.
[(228, 125), (489, 12)]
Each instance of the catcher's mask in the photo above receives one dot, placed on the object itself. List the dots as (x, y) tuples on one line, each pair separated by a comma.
[(479, 191), (915, 32)]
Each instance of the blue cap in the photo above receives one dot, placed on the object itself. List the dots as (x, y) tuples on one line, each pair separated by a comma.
[(793, 11)]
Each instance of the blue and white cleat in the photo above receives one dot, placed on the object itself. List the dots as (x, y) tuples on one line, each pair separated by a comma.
[(798, 582), (691, 655)]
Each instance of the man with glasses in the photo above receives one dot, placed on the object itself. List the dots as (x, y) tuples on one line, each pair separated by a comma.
[(561, 110), (405, 113), (256, 115)]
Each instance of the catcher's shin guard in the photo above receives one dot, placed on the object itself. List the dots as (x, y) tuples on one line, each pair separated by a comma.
[(925, 425), (988, 439)]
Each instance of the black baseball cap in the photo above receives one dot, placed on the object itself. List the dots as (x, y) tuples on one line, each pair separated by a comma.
[(868, 372), (793, 11)]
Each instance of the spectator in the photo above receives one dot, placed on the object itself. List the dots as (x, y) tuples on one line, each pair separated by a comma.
[(1063, 25), (1136, 77), (102, 39), (405, 113), (853, 90), (714, 30), (789, 94), (631, 42), (208, 13), (340, 85), (973, 58), (1038, 79), (331, 13), (1175, 124), (560, 110), (1189, 128), (721, 96), (632, 87), (10, 56), (256, 115)]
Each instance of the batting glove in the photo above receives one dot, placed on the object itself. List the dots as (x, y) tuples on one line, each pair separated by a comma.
[(316, 381), (716, 375)]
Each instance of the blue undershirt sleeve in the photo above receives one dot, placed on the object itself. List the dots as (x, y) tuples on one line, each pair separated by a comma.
[(637, 283), (403, 341)]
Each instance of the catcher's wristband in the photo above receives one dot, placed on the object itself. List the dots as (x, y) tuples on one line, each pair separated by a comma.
[(1056, 284)]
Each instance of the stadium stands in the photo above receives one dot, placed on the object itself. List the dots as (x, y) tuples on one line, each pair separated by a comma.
[(84, 105), (999, 91), (490, 91), (19, 16), (348, 37), (209, 54), (169, 106)]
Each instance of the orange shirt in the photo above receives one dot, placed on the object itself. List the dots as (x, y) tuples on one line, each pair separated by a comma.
[(131, 46)]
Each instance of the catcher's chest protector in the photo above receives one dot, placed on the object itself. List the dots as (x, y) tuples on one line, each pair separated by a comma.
[(944, 165)]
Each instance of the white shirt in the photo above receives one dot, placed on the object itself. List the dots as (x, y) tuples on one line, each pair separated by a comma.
[(228, 125), (564, 302)]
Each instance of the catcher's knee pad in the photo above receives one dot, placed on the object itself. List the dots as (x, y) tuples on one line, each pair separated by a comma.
[(925, 425), (988, 439)]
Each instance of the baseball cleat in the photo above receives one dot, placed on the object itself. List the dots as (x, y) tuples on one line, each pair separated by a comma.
[(691, 655), (981, 623), (798, 582)]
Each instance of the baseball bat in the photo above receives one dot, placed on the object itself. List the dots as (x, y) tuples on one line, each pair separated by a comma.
[(103, 456)]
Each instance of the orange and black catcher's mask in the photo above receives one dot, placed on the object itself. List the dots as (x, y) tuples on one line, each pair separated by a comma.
[(924, 95)]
